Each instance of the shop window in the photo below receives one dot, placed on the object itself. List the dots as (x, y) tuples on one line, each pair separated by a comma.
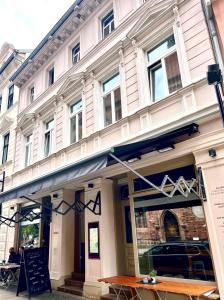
[(112, 100), (5, 148), (178, 245), (76, 54), (107, 24), (10, 96), (76, 122), (30, 228), (140, 219), (163, 69), (48, 137), (28, 149)]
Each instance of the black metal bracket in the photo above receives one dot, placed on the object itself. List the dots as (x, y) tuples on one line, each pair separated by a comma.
[(79, 206)]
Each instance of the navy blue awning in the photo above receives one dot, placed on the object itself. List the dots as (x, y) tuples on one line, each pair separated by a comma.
[(99, 162), (63, 175)]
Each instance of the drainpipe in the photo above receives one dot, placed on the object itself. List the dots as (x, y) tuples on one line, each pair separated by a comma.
[(209, 17)]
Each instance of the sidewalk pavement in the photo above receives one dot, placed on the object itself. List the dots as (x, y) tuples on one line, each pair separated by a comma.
[(10, 294)]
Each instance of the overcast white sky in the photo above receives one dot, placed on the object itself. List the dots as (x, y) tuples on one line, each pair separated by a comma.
[(24, 23)]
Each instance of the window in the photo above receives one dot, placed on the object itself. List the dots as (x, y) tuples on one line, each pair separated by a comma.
[(48, 137), (30, 226), (31, 94), (51, 76), (112, 100), (173, 239), (5, 148), (76, 122), (0, 103), (163, 69), (107, 24), (28, 149), (10, 96), (76, 54)]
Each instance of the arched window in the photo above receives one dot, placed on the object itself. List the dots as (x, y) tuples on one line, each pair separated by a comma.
[(171, 227)]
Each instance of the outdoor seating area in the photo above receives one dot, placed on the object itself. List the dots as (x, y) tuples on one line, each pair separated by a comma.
[(159, 290), (9, 274)]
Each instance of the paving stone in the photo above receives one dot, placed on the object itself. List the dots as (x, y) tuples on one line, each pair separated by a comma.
[(11, 295)]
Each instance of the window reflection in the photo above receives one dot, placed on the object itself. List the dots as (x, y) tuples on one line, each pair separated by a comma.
[(172, 238)]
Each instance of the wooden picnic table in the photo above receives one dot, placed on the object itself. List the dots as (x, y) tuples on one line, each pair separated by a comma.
[(185, 288)]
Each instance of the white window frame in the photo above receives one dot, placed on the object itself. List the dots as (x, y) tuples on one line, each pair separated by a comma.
[(155, 62), (75, 115), (103, 27), (111, 92), (28, 149), (51, 131)]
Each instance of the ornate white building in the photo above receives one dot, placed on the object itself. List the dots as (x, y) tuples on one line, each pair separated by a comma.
[(108, 74)]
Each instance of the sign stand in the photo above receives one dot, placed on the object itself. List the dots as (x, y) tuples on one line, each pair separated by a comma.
[(34, 274)]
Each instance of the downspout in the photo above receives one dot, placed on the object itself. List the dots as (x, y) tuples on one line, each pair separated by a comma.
[(209, 17)]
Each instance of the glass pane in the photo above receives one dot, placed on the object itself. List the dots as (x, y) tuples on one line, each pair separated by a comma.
[(159, 50), (111, 83), (47, 144), (76, 107), (157, 84), (173, 73), (50, 125), (29, 229), (73, 130), (107, 110), (172, 238), (80, 125), (117, 99), (27, 154)]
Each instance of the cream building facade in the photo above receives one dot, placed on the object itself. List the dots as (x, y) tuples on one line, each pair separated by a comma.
[(108, 74), (10, 60)]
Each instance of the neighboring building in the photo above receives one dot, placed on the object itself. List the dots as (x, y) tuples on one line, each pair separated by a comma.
[(10, 60), (108, 74)]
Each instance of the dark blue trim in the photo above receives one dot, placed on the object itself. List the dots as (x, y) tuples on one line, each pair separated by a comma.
[(61, 21)]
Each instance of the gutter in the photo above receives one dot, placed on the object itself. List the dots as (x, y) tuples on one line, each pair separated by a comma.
[(55, 28), (8, 61), (209, 17)]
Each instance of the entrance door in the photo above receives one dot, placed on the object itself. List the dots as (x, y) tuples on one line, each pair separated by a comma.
[(79, 245)]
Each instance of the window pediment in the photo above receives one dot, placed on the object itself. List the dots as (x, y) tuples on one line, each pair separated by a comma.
[(150, 14), (26, 118), (71, 82), (5, 123)]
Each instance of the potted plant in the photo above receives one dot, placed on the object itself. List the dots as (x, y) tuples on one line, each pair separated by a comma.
[(153, 274)]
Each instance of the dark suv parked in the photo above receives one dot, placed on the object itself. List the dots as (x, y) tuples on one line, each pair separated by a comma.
[(182, 259)]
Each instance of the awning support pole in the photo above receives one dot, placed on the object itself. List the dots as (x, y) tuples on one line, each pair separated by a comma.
[(181, 185)]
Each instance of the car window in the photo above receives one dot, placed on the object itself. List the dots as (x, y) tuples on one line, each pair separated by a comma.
[(175, 250), (192, 249), (157, 250)]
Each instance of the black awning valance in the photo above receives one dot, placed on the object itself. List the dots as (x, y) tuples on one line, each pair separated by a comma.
[(58, 177), (132, 150)]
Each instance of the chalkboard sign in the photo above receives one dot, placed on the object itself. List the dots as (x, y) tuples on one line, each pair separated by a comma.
[(34, 274)]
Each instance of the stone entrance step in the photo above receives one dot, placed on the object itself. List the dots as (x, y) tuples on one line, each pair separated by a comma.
[(73, 285)]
